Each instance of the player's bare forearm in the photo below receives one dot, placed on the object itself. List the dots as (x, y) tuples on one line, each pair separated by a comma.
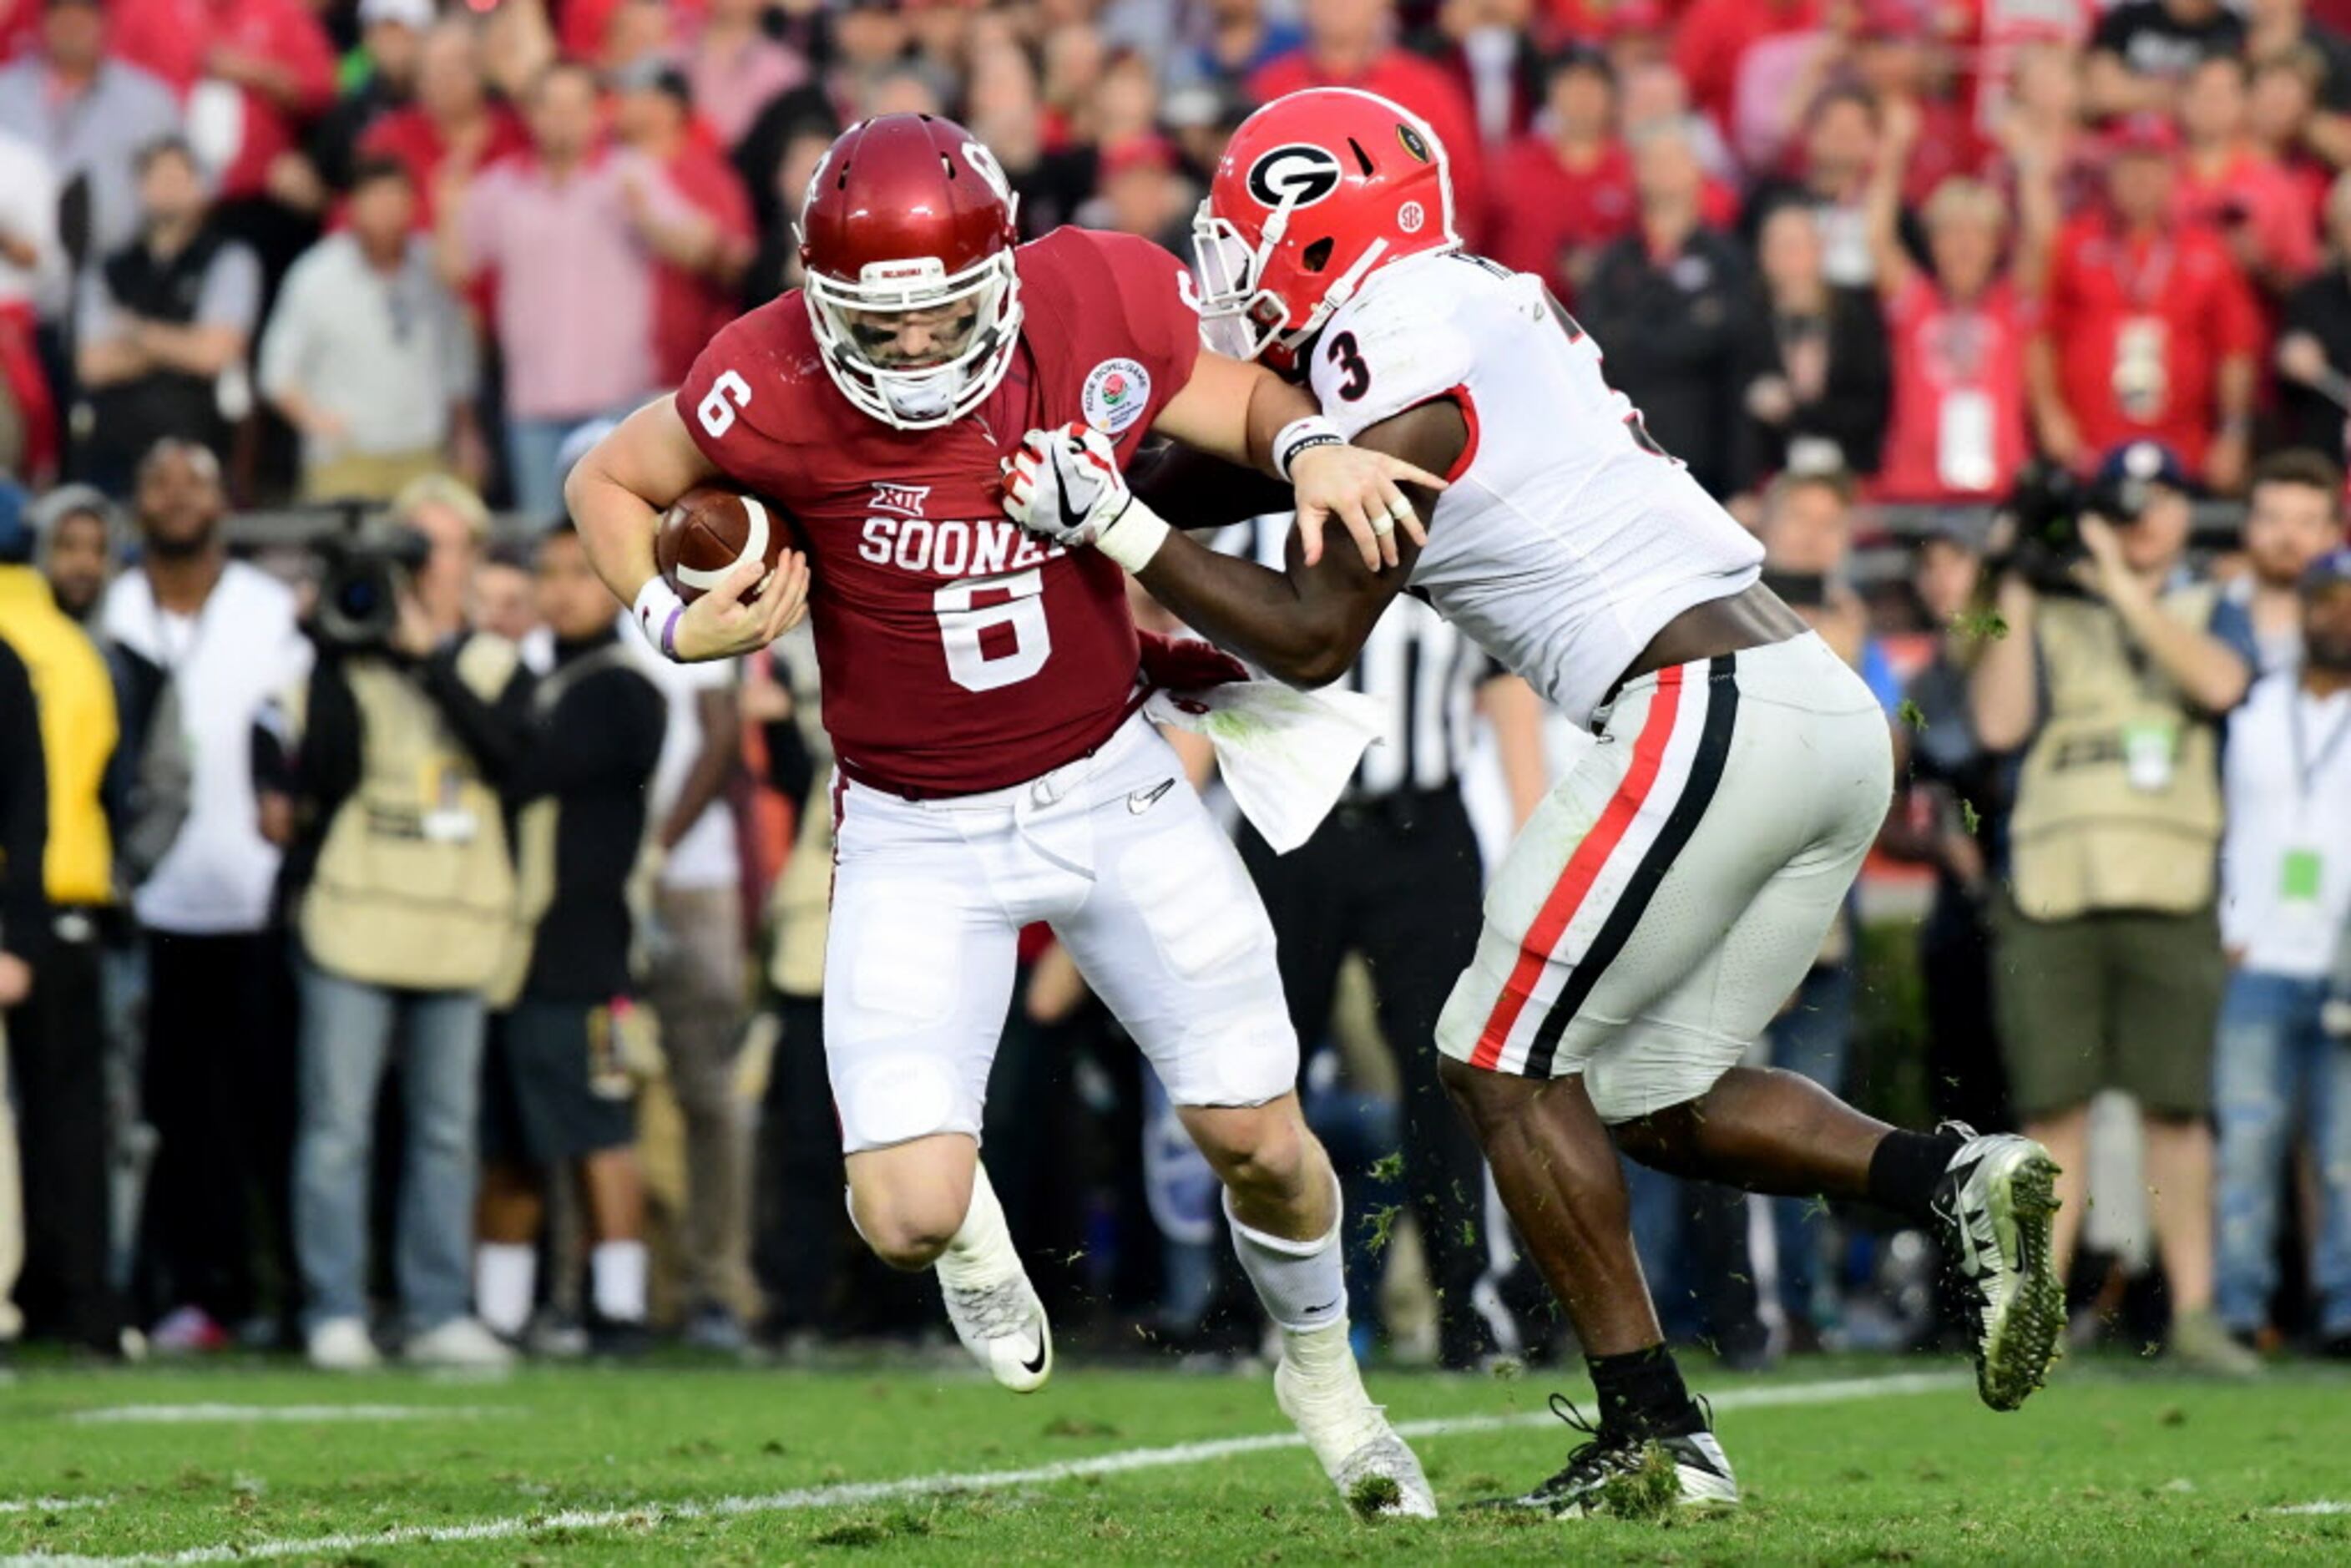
[(616, 492), (1233, 410), (1303, 625)]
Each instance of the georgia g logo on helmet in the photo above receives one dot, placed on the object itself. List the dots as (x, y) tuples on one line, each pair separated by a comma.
[(1299, 174)]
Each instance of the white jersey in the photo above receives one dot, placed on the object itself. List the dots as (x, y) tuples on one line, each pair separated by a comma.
[(1566, 540)]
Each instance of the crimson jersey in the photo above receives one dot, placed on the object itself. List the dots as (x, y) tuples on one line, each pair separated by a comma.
[(956, 653)]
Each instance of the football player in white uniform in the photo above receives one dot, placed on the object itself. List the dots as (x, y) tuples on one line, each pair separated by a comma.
[(1671, 893)]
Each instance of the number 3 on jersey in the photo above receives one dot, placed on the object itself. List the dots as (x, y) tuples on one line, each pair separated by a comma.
[(978, 662)]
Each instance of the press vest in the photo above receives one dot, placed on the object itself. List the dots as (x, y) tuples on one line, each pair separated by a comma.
[(2118, 803), (414, 887)]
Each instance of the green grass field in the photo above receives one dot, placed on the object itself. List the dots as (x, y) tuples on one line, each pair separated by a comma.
[(1843, 1462)]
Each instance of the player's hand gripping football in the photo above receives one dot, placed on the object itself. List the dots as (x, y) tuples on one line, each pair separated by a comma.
[(1361, 488), (731, 618)]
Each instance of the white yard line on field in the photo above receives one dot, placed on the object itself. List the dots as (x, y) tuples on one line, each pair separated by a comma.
[(650, 1515), (2324, 1506), (178, 1414)]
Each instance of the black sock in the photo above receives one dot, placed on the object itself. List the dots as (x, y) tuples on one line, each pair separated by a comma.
[(1905, 1167), (1641, 1392)]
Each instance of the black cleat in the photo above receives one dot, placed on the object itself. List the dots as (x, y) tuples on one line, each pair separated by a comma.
[(1993, 1209), (1606, 1475)]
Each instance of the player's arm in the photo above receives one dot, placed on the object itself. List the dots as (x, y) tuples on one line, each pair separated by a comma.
[(616, 495), (1194, 490), (1245, 414), (1305, 623)]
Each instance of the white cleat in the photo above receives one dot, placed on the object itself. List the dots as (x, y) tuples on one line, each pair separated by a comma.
[(1003, 1325), (993, 1306), (1994, 1207), (1320, 1390)]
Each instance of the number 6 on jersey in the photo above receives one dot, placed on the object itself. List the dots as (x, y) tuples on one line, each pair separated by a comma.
[(977, 662)]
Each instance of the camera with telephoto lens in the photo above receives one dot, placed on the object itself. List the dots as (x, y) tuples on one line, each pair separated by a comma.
[(2047, 508), (359, 587)]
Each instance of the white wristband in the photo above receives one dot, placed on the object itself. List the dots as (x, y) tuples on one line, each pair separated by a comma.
[(657, 610), (1135, 538), (1300, 434)]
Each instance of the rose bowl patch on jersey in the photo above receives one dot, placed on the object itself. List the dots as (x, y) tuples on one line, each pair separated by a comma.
[(1116, 396)]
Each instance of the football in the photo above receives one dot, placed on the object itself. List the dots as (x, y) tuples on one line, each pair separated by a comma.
[(709, 529)]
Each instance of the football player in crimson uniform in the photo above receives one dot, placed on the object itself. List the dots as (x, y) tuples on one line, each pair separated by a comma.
[(1671, 892), (981, 689)]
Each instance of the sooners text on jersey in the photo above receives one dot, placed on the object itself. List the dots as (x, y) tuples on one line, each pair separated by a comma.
[(957, 655)]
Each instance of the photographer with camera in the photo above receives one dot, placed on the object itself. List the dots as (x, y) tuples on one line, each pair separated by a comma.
[(2110, 675), (403, 895)]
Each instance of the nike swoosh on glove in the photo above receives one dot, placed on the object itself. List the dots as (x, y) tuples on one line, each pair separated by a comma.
[(1064, 487), (1188, 663)]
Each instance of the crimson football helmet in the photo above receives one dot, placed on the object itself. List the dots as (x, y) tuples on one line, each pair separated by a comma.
[(1314, 191), (908, 215)]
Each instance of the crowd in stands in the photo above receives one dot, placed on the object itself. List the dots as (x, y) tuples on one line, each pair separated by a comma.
[(1868, 267)]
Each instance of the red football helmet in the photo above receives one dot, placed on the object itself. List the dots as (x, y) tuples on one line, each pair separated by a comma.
[(907, 239), (1315, 191)]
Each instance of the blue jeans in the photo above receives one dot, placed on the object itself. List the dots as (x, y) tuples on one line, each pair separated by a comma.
[(346, 1034), (1813, 1038), (2272, 1057), (533, 446)]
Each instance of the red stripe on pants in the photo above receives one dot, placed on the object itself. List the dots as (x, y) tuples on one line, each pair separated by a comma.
[(1583, 870)]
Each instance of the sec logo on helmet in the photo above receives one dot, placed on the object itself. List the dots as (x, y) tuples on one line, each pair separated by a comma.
[(1116, 393), (1299, 173)]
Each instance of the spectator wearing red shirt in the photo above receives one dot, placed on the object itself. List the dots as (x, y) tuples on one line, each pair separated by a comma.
[(452, 120), (1563, 193), (698, 265), (1957, 429), (251, 72), (1351, 43), (2232, 187), (2149, 331), (1715, 35)]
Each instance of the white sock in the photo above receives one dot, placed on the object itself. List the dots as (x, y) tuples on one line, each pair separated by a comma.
[(1300, 1284), (506, 1277), (981, 1250), (616, 1274)]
